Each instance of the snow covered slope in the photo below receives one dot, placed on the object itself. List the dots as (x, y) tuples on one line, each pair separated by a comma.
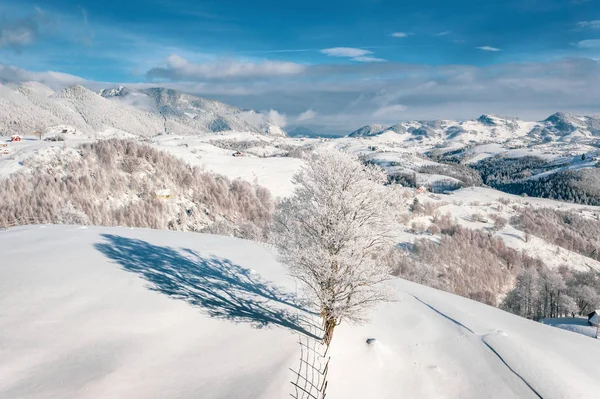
[(274, 173), (179, 108), (561, 126), (32, 106), (115, 312)]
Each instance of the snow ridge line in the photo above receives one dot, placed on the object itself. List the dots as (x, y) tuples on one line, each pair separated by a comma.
[(511, 369), (458, 323)]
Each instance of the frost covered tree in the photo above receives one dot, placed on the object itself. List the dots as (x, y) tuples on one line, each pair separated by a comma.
[(334, 232), (524, 298)]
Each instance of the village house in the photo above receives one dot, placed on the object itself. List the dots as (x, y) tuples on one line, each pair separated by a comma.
[(594, 318), (594, 321)]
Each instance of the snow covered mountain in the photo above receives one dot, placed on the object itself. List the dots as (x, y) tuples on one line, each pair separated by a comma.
[(368, 130), (115, 312), (560, 126), (32, 106), (189, 110)]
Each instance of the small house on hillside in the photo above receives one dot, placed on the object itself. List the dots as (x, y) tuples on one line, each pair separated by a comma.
[(594, 318), (15, 137)]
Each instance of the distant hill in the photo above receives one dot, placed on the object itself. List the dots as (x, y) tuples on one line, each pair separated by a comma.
[(306, 132), (560, 126), (32, 106)]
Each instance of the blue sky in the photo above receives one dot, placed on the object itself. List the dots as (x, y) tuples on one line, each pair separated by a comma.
[(348, 62)]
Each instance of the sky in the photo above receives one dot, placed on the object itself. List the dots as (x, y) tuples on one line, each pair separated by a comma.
[(329, 65)]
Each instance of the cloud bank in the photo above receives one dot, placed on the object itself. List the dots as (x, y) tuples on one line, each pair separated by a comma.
[(179, 68)]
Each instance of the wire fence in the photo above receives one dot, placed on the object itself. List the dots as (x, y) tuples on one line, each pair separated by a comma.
[(310, 379)]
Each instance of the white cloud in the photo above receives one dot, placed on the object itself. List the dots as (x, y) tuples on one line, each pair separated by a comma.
[(589, 24), (179, 68), (400, 34), (355, 54), (349, 52), (444, 33), (488, 48), (390, 111), (9, 73), (271, 116), (590, 43), (253, 117), (19, 33), (306, 115), (17, 36), (276, 118), (368, 59)]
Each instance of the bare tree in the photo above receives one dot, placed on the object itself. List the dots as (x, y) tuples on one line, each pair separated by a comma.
[(334, 232), (500, 223), (39, 131)]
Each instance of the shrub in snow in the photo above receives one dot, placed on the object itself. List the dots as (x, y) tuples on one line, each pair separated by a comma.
[(434, 229), (418, 227), (58, 137), (499, 223), (334, 231), (69, 215)]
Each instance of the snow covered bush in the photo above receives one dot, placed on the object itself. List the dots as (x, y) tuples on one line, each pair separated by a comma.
[(467, 262), (118, 182), (565, 229), (334, 232)]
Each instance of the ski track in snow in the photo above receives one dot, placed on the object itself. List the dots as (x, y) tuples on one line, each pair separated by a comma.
[(487, 344)]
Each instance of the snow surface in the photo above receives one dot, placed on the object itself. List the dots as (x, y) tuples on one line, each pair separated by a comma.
[(274, 173), (116, 312), (578, 325)]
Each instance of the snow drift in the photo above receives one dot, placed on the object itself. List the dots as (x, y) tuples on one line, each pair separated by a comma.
[(116, 312)]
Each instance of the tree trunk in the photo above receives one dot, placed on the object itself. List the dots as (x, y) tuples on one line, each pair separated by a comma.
[(329, 325)]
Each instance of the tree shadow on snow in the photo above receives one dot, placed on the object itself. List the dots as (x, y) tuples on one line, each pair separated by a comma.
[(220, 288)]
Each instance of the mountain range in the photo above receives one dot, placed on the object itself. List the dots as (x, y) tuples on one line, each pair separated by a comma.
[(30, 107), (561, 127)]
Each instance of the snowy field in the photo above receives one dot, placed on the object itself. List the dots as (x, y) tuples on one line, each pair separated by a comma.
[(274, 173), (577, 325), (116, 312)]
